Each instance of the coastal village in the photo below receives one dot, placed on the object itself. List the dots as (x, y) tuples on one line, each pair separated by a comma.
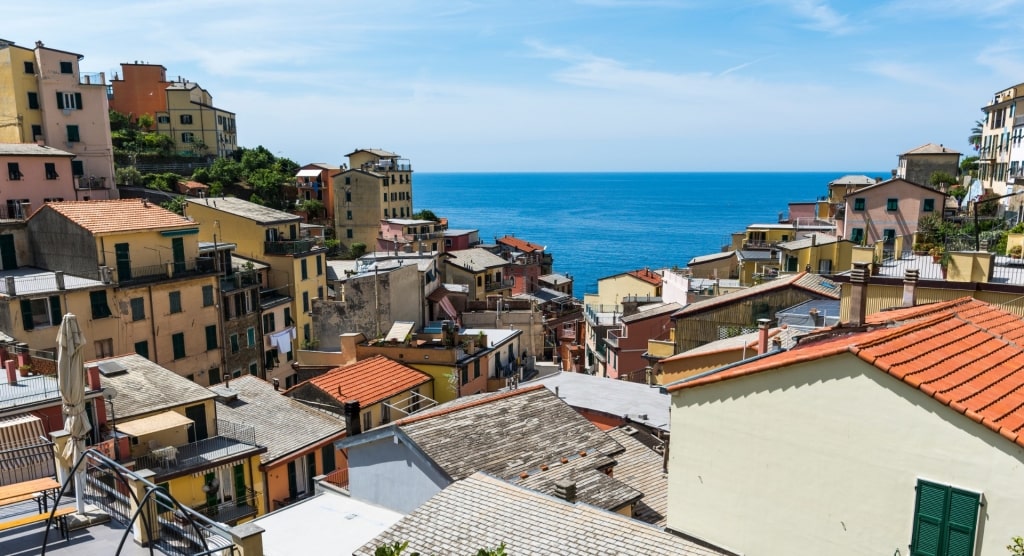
[(259, 366)]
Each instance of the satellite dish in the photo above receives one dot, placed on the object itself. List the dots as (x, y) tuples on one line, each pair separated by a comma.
[(110, 392)]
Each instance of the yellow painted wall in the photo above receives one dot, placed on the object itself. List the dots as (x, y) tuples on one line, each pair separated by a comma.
[(188, 490), (443, 392), (400, 401), (672, 371), (16, 119), (366, 197), (612, 289)]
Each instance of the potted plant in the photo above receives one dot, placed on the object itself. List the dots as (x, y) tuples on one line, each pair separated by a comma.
[(25, 370), (1016, 251), (937, 253)]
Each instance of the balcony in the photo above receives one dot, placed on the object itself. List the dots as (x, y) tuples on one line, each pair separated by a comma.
[(613, 336), (238, 280), (290, 247), (90, 182), (234, 443), (498, 285), (165, 271), (92, 79), (231, 511)]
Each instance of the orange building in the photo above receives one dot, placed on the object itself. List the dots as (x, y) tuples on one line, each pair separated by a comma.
[(140, 90)]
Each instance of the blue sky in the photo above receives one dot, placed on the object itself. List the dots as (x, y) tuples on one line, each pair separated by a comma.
[(585, 85)]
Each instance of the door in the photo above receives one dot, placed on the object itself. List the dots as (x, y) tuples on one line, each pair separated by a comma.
[(178, 249), (198, 415), (211, 493), (124, 261), (310, 472), (239, 472), (8, 258)]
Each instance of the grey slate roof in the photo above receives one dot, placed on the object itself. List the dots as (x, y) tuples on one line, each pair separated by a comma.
[(811, 282), (853, 179), (592, 485), (931, 148), (482, 511), (643, 469), (651, 312), (505, 434), (475, 260), (240, 207), (629, 400), (805, 242), (282, 424), (712, 257), (149, 388), (756, 255), (30, 149)]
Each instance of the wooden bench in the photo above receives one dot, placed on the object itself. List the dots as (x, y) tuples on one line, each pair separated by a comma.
[(61, 516), (37, 496)]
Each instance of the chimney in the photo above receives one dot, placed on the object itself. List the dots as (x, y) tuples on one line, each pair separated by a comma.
[(11, 366), (858, 294), (94, 377), (58, 277), (910, 288), (815, 317), (11, 289), (762, 336), (352, 425), (566, 490), (348, 342), (277, 384)]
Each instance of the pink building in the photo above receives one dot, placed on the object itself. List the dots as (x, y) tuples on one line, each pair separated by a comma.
[(400, 235), (33, 175), (627, 344), (457, 240), (883, 211)]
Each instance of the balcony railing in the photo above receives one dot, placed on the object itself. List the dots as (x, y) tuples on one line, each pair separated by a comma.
[(240, 279), (289, 247), (92, 79), (338, 478), (189, 267), (91, 182), (27, 463), (231, 511), (498, 285), (233, 442), (613, 336)]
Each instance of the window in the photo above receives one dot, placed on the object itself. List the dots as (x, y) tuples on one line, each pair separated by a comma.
[(303, 270), (386, 213), (305, 302), (254, 370), (889, 235), (250, 336), (186, 118), (367, 421), (178, 342), (73, 136), (348, 233), (385, 413), (327, 458), (51, 170), (288, 316), (77, 168), (234, 343), (37, 132), (30, 67), (187, 137), (174, 298), (104, 348), (33, 100), (66, 67), (348, 196), (305, 332), (476, 368), (14, 171), (207, 296), (892, 205), (142, 348), (465, 375), (348, 181), (163, 119), (40, 313), (98, 301), (319, 292), (268, 323), (348, 215), (215, 375), (945, 519), (138, 308), (319, 267), (929, 205), (211, 337), (69, 101), (857, 235)]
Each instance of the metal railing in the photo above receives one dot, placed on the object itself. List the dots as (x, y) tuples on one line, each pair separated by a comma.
[(233, 440), (27, 463), (90, 182), (34, 387), (168, 270), (232, 510), (289, 247), (240, 279), (498, 285), (338, 478), (91, 79)]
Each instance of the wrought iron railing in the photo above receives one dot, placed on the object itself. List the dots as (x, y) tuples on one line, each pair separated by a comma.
[(170, 269), (232, 440), (231, 511), (27, 463), (289, 247), (498, 285)]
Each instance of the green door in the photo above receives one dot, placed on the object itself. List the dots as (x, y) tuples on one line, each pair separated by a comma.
[(8, 258), (239, 471), (211, 497), (178, 249), (124, 262)]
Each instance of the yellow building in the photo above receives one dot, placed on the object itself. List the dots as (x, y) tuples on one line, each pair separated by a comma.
[(482, 271), (159, 298), (205, 461), (818, 253), (197, 127), (44, 97), (297, 265), (376, 185)]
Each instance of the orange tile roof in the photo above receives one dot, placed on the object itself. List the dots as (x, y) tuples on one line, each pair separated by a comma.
[(968, 356), (520, 244), (369, 381), (118, 215), (647, 275)]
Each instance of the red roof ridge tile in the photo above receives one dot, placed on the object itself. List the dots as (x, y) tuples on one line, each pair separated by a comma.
[(474, 403)]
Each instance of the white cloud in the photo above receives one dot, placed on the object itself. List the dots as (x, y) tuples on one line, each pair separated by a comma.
[(820, 16)]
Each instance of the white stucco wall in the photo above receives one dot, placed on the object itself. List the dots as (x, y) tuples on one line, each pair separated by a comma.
[(823, 457)]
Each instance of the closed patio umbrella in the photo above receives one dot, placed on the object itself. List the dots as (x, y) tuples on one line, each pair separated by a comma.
[(71, 382)]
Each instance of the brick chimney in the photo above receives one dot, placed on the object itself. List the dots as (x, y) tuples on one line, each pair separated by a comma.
[(858, 294), (93, 372), (910, 288), (762, 335), (11, 366)]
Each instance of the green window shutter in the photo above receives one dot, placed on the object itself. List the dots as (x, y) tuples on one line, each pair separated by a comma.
[(73, 136), (250, 336), (963, 519), (55, 312), (327, 455), (178, 341), (33, 101), (26, 314), (293, 487), (142, 348), (78, 101), (60, 100), (929, 519), (207, 296), (302, 266), (211, 337), (77, 168), (239, 472)]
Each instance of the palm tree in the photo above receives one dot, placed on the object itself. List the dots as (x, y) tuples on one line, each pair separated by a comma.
[(974, 139)]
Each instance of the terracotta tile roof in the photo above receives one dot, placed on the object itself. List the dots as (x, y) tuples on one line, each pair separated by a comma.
[(813, 283), (968, 356), (520, 244), (369, 381), (482, 511), (647, 275), (118, 215)]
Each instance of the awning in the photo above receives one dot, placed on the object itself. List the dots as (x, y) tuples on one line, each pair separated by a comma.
[(307, 173), (154, 423), (22, 431), (448, 308)]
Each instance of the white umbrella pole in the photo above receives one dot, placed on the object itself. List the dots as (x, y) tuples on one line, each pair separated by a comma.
[(80, 490)]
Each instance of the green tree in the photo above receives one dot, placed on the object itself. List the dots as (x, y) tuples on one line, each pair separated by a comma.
[(1016, 547), (969, 166), (958, 192), (312, 207), (268, 184), (426, 215), (176, 204), (357, 250), (941, 179), (256, 159), (128, 176), (167, 181), (987, 205), (201, 175), (146, 121), (974, 139), (394, 549), (225, 172)]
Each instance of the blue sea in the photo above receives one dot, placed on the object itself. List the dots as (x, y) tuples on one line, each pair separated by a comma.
[(597, 224)]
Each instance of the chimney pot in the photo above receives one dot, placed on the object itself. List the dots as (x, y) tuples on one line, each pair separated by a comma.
[(858, 293), (352, 424), (94, 377), (762, 335), (566, 490), (910, 288), (11, 367)]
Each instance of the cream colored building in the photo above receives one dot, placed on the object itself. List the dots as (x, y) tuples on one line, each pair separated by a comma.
[(44, 97), (901, 439), (197, 127), (376, 185), (996, 139)]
